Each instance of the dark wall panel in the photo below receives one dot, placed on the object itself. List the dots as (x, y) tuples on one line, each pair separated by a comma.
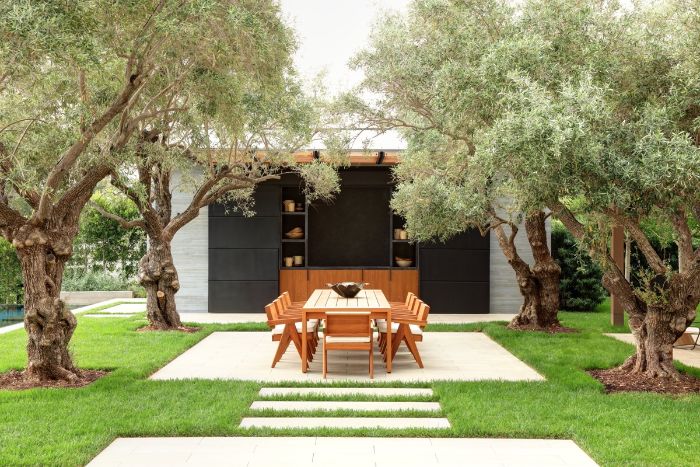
[(243, 232), (243, 264), (469, 240), (241, 296), (244, 254), (455, 297), (352, 230), (267, 203), (455, 265), (454, 275)]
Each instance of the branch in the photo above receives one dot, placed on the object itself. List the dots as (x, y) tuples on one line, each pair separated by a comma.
[(684, 239), (140, 223), (70, 156), (652, 257)]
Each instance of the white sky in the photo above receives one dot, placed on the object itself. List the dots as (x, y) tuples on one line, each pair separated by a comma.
[(330, 33)]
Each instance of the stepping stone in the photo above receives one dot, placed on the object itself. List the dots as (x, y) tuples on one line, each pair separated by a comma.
[(344, 405), (344, 422), (373, 392)]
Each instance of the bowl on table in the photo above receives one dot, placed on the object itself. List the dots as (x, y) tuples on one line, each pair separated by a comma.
[(347, 289)]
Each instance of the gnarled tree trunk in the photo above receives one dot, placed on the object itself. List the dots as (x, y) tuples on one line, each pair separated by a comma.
[(48, 321), (539, 283), (158, 276), (656, 326)]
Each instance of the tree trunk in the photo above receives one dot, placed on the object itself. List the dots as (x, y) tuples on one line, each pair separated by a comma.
[(539, 284), (48, 321), (657, 329), (158, 276)]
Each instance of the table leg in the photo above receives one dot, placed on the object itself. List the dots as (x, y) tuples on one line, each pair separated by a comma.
[(388, 342), (304, 357)]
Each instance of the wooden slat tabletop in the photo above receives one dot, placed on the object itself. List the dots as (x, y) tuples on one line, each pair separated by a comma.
[(326, 299)]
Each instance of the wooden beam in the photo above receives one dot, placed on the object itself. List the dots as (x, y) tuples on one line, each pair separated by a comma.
[(617, 250)]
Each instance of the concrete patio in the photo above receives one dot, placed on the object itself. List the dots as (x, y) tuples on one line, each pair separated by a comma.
[(465, 356), (350, 452), (228, 318)]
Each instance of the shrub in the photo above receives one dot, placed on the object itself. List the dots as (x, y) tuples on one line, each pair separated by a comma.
[(11, 287), (94, 280), (580, 286)]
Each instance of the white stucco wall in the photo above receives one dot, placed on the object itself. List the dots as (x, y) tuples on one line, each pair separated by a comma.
[(505, 296), (191, 255)]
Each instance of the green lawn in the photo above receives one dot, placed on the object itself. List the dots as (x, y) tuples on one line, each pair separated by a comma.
[(70, 426)]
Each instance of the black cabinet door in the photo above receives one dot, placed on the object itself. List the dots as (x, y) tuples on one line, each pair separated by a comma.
[(454, 276)]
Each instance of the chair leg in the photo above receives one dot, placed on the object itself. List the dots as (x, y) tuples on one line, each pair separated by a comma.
[(281, 348), (396, 340), (411, 344), (371, 362), (325, 360), (296, 338)]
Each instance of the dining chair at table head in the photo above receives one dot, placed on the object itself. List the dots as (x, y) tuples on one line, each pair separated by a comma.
[(348, 331)]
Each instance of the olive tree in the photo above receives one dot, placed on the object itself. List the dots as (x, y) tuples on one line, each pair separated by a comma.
[(621, 142), (437, 74), (77, 82), (255, 137)]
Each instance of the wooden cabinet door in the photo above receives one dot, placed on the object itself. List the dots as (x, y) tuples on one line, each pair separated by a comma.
[(378, 279), (318, 278), (295, 282), (403, 282)]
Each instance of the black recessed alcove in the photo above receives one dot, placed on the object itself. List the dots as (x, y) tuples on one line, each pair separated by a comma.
[(351, 230)]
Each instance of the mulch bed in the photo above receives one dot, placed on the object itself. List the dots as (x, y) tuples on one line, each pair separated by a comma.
[(554, 329), (15, 380), (186, 329), (616, 380)]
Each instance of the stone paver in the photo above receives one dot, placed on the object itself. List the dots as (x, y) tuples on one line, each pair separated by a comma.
[(685, 356), (337, 392), (469, 318), (345, 405), (344, 422), (459, 356), (355, 452)]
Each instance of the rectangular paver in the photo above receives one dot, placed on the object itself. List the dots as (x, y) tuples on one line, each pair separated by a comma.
[(339, 392), (355, 452), (344, 422), (344, 405)]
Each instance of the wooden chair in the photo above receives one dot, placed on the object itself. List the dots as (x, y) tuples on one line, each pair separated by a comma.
[(396, 313), (407, 329), (348, 331), (287, 329)]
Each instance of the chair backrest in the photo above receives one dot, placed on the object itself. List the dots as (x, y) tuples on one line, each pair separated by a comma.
[(409, 297), (423, 312), (279, 307), (271, 313), (410, 300), (286, 299), (348, 324)]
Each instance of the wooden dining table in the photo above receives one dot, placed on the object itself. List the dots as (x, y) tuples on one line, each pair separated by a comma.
[(323, 300)]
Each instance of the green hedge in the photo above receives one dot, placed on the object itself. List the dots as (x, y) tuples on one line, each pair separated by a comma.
[(580, 286)]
